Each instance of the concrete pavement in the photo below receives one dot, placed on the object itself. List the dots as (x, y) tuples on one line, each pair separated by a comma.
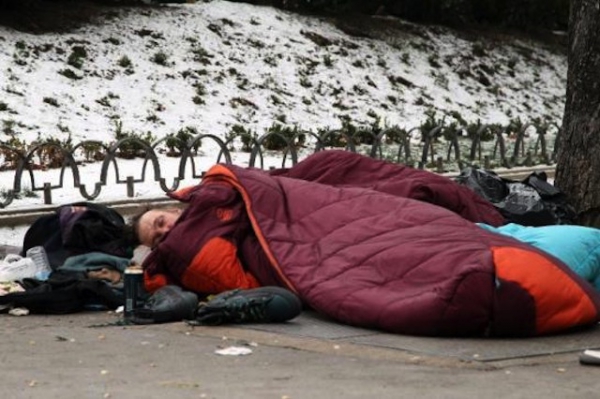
[(85, 355)]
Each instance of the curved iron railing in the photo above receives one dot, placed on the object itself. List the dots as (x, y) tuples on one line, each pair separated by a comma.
[(441, 150)]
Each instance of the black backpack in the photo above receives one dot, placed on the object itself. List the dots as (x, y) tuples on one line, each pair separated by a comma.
[(79, 228)]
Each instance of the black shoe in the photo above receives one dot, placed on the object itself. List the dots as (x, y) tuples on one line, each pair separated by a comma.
[(169, 303), (257, 305)]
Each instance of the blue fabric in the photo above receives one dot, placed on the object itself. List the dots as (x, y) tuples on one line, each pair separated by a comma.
[(577, 246)]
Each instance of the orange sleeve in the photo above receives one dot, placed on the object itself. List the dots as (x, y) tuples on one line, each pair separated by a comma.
[(216, 268), (154, 282)]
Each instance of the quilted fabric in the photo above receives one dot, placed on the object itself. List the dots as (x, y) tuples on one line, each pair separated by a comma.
[(367, 258), (346, 169)]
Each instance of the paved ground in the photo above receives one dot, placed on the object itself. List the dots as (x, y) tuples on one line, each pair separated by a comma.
[(67, 357)]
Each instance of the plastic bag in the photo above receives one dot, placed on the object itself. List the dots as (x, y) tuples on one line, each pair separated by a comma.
[(530, 202), (14, 267)]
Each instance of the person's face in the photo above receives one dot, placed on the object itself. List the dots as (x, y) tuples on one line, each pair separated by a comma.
[(154, 224)]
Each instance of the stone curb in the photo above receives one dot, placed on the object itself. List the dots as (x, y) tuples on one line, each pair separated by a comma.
[(129, 207)]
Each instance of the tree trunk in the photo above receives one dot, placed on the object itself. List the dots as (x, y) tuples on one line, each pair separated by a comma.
[(578, 157)]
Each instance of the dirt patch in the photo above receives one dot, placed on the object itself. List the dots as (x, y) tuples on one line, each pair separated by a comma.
[(393, 29), (377, 27), (42, 16)]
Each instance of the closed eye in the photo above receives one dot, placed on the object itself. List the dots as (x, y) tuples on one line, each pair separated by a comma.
[(158, 224)]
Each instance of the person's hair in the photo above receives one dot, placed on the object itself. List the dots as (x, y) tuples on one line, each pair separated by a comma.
[(134, 225)]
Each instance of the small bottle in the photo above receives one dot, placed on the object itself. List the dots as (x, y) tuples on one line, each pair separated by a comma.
[(40, 258)]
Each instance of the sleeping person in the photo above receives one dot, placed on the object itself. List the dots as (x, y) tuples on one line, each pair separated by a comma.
[(362, 254)]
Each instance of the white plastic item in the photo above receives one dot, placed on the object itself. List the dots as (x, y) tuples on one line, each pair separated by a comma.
[(40, 258), (234, 351), (15, 267)]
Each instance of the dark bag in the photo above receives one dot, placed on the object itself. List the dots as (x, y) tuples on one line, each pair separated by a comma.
[(530, 202), (79, 228), (63, 293)]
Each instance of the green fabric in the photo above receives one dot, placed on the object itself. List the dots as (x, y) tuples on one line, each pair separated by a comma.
[(94, 261)]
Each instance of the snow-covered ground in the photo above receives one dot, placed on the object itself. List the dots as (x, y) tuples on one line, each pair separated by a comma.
[(213, 65), (253, 65)]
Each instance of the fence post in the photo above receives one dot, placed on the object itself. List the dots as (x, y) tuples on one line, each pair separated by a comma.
[(440, 165), (130, 190), (47, 194)]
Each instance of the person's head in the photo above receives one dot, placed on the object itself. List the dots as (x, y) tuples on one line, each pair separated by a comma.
[(152, 224)]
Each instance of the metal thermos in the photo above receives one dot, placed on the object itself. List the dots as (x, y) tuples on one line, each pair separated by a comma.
[(133, 283)]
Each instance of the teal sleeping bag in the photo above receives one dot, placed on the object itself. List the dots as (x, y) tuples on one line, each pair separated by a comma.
[(577, 246)]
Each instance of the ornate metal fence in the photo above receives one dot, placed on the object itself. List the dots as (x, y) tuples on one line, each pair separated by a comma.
[(440, 150)]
